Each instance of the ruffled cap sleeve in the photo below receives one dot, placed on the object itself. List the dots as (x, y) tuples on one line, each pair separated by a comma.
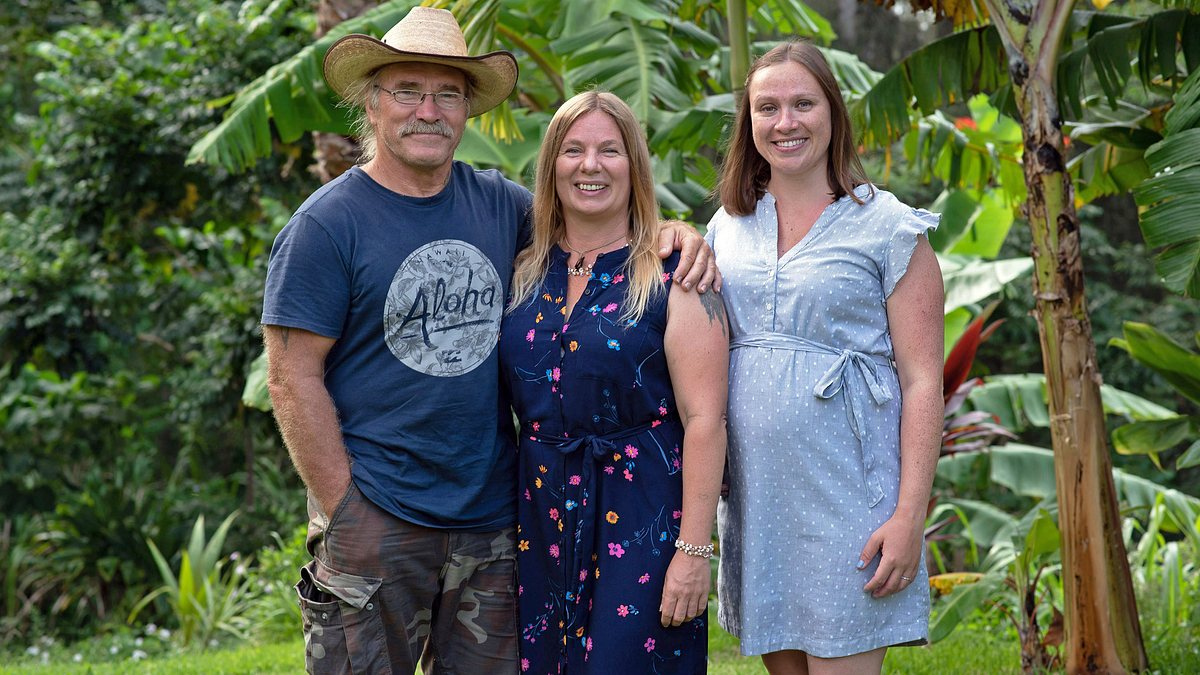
[(911, 224)]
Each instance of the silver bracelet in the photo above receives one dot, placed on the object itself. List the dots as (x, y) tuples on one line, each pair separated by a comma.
[(705, 551)]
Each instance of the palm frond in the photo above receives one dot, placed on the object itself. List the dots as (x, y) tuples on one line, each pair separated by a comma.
[(1172, 198), (945, 71), (293, 94)]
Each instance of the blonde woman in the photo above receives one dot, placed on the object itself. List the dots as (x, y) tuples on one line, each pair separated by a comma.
[(618, 379)]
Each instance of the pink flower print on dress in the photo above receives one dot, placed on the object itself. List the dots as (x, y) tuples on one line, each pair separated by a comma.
[(618, 278), (644, 579), (615, 550), (628, 475), (662, 411), (554, 514), (575, 480), (608, 470), (622, 611), (677, 514), (529, 335), (631, 451), (666, 277), (524, 665), (649, 644), (554, 551), (610, 307)]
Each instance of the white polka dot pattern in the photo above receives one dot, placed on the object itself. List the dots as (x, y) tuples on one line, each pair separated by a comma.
[(798, 515)]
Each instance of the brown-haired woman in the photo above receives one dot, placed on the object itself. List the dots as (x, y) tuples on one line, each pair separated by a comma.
[(835, 306), (618, 379)]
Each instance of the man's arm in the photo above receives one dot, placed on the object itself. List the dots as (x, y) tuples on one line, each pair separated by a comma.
[(305, 412), (697, 266)]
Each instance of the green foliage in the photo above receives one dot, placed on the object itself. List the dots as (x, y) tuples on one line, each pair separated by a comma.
[(206, 598), (274, 613), (1180, 367), (1172, 195)]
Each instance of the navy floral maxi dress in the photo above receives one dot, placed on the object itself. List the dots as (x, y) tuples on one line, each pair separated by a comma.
[(601, 481)]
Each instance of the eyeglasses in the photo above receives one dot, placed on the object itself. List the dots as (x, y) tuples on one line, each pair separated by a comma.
[(446, 100)]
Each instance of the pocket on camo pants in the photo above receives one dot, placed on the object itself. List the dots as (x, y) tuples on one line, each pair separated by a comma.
[(343, 629)]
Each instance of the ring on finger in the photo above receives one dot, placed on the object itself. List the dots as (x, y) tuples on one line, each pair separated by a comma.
[(904, 578)]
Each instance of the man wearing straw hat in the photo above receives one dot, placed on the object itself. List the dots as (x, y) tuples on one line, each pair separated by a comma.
[(381, 314)]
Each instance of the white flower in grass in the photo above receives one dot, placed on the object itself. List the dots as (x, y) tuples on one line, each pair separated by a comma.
[(137, 655), (137, 642), (151, 628), (164, 634), (77, 658), (32, 650), (213, 643), (113, 649)]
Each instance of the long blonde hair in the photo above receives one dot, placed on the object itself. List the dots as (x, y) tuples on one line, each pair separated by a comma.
[(643, 269)]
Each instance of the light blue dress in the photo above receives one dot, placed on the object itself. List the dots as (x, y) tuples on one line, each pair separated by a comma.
[(814, 428)]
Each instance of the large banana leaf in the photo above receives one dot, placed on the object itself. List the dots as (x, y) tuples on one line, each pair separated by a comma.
[(1029, 471), (1180, 367), (293, 94), (1171, 199), (1019, 401), (969, 279)]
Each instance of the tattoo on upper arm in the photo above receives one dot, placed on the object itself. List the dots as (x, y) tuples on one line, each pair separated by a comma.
[(284, 333), (711, 301)]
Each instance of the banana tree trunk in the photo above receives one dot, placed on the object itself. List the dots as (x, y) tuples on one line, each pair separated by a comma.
[(739, 45), (1103, 634), (334, 153)]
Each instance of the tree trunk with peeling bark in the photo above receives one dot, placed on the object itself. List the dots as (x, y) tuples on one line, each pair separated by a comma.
[(1103, 633), (334, 153)]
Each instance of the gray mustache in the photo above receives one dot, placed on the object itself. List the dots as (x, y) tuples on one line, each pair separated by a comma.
[(421, 127)]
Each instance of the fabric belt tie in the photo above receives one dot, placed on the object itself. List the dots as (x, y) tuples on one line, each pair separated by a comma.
[(597, 448), (840, 378)]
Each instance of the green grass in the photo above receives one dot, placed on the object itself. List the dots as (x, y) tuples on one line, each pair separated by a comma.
[(977, 649)]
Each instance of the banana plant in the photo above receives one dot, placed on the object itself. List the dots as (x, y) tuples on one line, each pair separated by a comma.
[(1181, 368)]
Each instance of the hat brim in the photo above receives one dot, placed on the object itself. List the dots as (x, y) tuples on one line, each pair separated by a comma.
[(355, 56)]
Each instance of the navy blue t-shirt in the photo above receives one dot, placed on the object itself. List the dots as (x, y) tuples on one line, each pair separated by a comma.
[(413, 290)]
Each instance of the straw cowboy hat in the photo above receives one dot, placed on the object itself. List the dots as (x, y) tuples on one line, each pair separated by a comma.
[(424, 35)]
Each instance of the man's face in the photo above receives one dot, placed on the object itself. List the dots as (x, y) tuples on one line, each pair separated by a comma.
[(422, 136)]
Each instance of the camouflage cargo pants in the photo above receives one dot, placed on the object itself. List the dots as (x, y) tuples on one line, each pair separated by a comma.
[(382, 594)]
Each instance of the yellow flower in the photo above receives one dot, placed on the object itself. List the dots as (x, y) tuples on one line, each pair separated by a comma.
[(579, 632), (537, 482), (616, 457), (574, 345), (524, 545), (944, 583), (611, 517), (538, 318), (541, 468), (597, 572), (563, 311), (560, 526)]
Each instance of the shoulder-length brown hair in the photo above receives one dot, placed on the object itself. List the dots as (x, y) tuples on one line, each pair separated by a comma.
[(643, 269), (745, 172)]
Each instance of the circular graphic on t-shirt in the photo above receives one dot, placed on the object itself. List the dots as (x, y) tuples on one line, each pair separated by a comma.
[(442, 315)]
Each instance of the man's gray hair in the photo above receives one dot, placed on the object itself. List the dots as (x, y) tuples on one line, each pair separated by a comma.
[(359, 96)]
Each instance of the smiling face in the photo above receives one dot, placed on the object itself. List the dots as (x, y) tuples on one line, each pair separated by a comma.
[(790, 122), (419, 137), (591, 171)]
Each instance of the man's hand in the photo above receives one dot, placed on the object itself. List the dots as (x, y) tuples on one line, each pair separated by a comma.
[(697, 264)]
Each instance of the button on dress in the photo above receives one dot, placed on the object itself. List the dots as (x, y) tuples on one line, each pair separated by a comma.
[(600, 479), (814, 428)]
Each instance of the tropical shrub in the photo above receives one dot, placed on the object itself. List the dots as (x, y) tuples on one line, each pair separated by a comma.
[(209, 595)]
